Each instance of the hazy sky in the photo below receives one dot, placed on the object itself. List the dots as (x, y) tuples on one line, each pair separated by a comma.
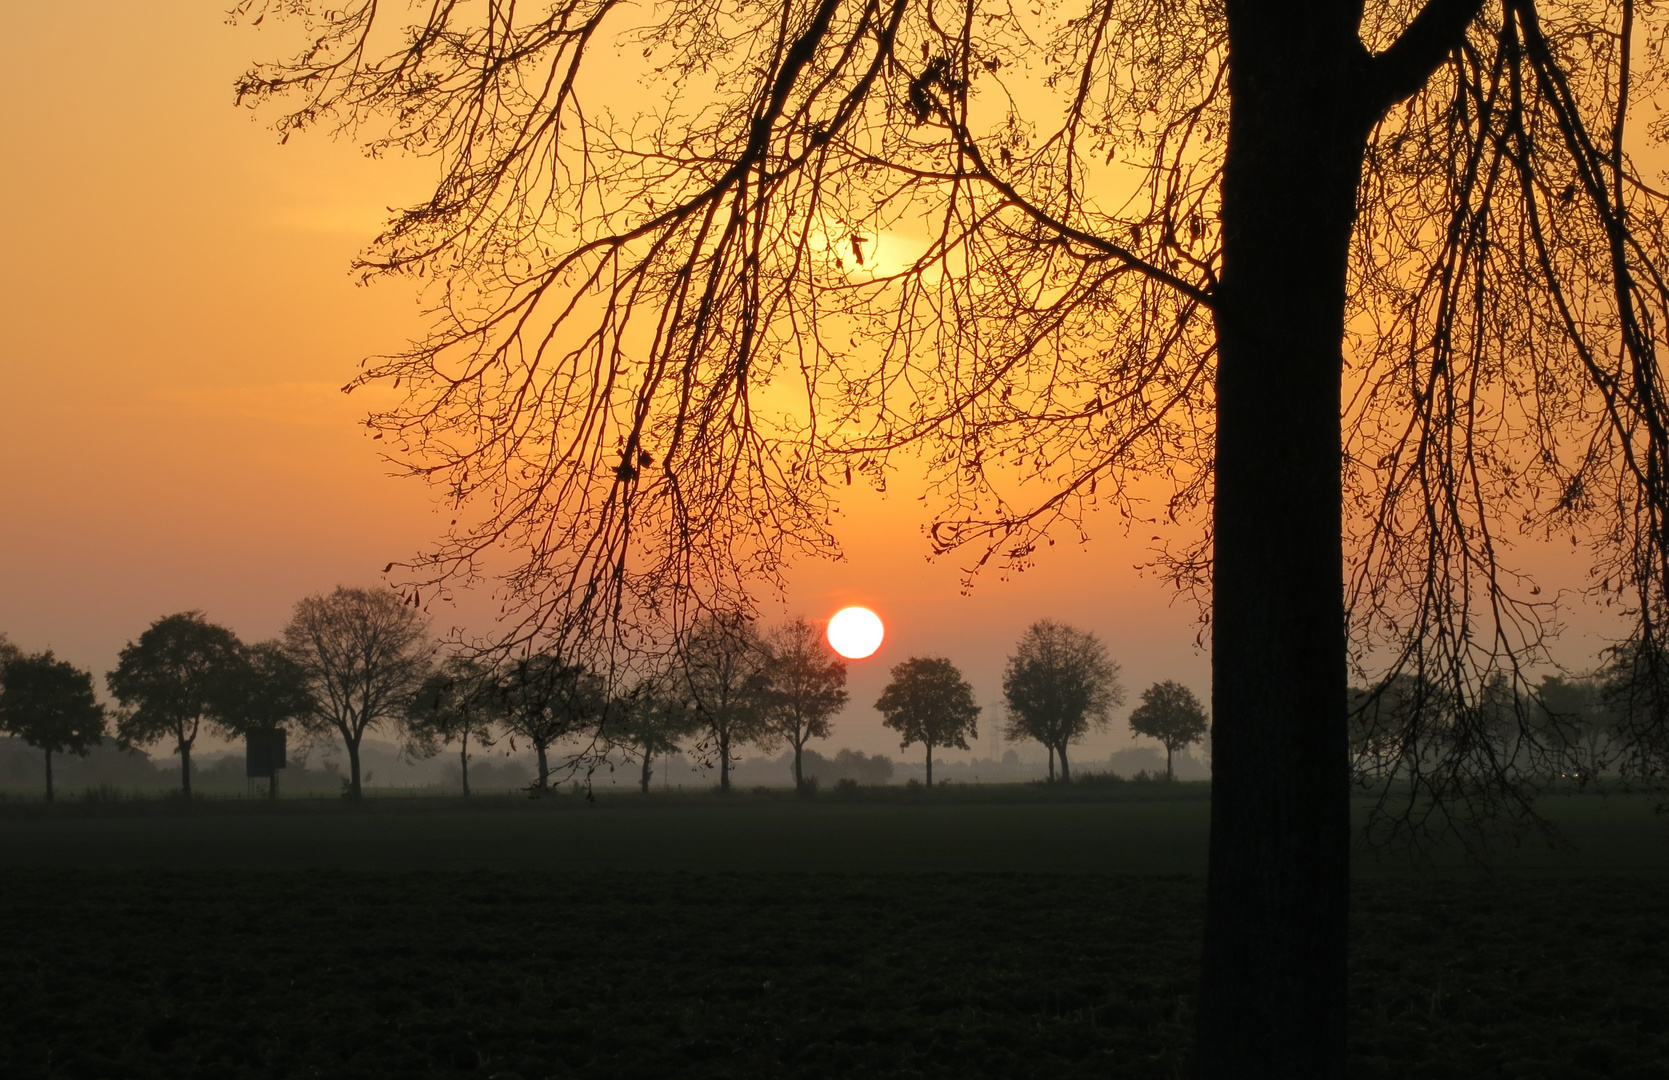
[(179, 315)]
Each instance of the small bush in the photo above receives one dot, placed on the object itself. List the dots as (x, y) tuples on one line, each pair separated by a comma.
[(808, 787), (846, 786), (912, 785)]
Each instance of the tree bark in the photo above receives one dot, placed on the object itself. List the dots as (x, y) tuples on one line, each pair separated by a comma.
[(1066, 770), (930, 766), (1051, 747), (1169, 775), (724, 765), (353, 765), (647, 770), (185, 768), (799, 776), (463, 762), (49, 776), (544, 781), (1273, 987)]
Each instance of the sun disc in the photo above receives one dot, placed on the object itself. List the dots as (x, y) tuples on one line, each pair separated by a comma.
[(855, 632)]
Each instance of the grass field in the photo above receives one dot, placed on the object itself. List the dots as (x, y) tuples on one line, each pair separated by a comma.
[(1134, 829), (1009, 935)]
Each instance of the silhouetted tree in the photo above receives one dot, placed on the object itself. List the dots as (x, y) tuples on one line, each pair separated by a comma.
[(8, 651), (172, 682), (546, 700), (363, 654), (807, 687), (1073, 244), (1387, 722), (1059, 685), (49, 704), (723, 667), (263, 692), (929, 702), (651, 719), (458, 701), (1575, 716), (1172, 714), (1636, 696)]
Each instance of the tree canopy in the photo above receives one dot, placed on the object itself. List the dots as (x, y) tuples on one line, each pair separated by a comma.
[(546, 699), (1059, 684), (929, 702), (49, 704), (458, 701), (263, 691), (174, 682), (1172, 714), (653, 718), (807, 687), (362, 653), (724, 666)]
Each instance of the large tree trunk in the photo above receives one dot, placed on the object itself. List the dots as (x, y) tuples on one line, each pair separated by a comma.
[(648, 770), (1051, 747), (1066, 770), (799, 775), (463, 762), (930, 766), (1170, 774), (49, 776), (353, 765), (1272, 1001), (724, 764), (544, 781), (185, 768)]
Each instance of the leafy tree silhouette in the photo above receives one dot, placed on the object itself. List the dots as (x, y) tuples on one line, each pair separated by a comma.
[(545, 699), (723, 668), (173, 681), (263, 693), (362, 653), (49, 704), (1387, 266), (1172, 714), (651, 719), (807, 687), (929, 702), (1059, 684), (458, 701)]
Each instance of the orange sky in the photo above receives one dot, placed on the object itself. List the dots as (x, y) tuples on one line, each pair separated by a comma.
[(178, 315)]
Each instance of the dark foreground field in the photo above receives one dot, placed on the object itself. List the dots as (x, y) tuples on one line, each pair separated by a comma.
[(616, 968)]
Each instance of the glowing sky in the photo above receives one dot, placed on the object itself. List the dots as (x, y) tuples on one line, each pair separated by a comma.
[(178, 315)]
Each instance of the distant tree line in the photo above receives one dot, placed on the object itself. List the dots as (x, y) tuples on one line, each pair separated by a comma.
[(1563, 728), (346, 662), (357, 660)]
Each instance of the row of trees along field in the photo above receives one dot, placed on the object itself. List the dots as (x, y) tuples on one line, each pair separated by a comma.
[(1373, 289), (346, 662), (1572, 727), (359, 659)]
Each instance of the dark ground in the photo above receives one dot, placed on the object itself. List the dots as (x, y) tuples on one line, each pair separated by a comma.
[(765, 937)]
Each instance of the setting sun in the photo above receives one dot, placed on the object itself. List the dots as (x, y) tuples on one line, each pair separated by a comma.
[(855, 632)]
